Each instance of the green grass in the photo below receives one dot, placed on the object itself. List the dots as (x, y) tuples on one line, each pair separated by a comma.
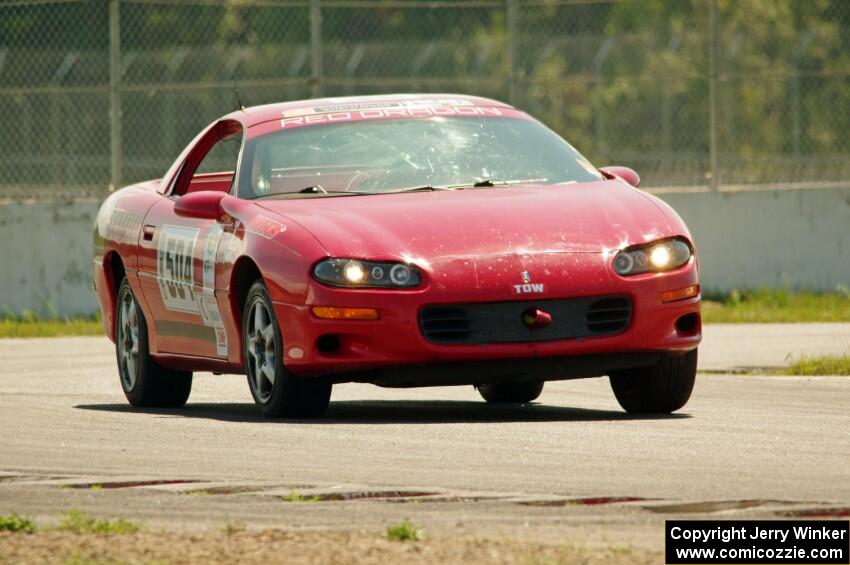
[(296, 497), (30, 325), (776, 306), (804, 366), (404, 532), (819, 365), (81, 523), (14, 523), (231, 528)]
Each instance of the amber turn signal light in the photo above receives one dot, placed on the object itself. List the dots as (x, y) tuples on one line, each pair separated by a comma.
[(334, 313), (680, 293)]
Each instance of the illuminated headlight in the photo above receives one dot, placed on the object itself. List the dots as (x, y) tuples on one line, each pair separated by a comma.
[(657, 257), (354, 272), (366, 274)]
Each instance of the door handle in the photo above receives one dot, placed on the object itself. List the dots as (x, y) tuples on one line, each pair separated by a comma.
[(147, 234)]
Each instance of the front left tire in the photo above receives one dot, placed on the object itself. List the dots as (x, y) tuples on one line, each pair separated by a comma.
[(658, 389), (278, 392), (145, 382)]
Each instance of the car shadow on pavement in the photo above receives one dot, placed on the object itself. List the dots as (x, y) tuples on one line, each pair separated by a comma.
[(396, 412)]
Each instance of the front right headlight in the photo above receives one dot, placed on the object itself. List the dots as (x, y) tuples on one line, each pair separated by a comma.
[(655, 257)]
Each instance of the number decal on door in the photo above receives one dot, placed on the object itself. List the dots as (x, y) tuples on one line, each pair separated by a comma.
[(176, 276), (175, 268)]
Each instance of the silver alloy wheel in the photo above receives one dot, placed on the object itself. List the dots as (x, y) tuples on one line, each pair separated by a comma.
[(261, 351), (128, 341)]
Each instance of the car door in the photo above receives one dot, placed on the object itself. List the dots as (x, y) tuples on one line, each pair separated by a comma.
[(178, 255)]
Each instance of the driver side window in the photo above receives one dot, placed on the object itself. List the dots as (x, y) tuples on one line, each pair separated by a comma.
[(211, 163), (216, 169), (222, 157)]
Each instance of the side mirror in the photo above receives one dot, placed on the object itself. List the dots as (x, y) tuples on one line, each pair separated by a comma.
[(203, 205), (622, 173)]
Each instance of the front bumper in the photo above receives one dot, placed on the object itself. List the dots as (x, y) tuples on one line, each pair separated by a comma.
[(391, 347)]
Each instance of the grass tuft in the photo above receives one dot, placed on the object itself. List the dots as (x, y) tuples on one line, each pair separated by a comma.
[(838, 365), (14, 523), (30, 325), (81, 523), (404, 532), (231, 528), (296, 497), (776, 306)]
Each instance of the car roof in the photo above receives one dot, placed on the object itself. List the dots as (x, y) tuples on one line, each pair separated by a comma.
[(267, 112)]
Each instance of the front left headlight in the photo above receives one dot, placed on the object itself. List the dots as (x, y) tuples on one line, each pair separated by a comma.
[(355, 273), (656, 257)]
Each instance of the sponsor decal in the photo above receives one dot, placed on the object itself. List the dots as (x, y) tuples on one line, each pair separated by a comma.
[(175, 268), (210, 249), (265, 226), (357, 106), (209, 305), (104, 215), (123, 226), (418, 111), (528, 287)]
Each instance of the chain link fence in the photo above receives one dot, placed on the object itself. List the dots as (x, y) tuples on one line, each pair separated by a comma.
[(699, 94)]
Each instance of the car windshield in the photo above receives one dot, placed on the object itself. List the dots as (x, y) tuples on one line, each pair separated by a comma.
[(380, 156)]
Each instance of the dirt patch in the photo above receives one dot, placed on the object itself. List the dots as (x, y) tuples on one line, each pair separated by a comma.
[(358, 495), (440, 498), (710, 506), (239, 489), (818, 513), (128, 484), (275, 546), (595, 501)]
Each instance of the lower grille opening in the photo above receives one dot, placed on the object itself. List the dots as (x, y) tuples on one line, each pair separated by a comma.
[(609, 315), (501, 322), (446, 324)]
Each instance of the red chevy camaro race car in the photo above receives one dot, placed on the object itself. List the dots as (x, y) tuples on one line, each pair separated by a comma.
[(407, 240)]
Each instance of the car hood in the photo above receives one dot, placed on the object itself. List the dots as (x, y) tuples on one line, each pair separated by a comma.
[(474, 223)]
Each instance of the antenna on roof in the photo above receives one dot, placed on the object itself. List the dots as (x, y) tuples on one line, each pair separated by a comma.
[(239, 104)]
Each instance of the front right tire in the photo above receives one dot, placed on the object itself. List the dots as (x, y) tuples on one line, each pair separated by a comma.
[(277, 392), (658, 389)]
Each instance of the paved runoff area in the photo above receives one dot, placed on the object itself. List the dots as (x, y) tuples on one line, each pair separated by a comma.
[(570, 468)]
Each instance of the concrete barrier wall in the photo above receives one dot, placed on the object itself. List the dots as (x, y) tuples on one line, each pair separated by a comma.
[(46, 258), (798, 239)]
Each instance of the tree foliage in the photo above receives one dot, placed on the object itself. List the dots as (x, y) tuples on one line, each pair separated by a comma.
[(625, 81)]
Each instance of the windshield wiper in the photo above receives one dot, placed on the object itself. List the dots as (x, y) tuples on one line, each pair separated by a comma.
[(421, 188), (319, 189), (484, 183), (493, 181), (314, 189)]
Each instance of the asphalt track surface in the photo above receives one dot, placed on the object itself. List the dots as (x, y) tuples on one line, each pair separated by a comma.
[(743, 446)]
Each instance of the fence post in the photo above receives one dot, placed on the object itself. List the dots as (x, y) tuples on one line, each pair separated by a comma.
[(712, 98), (513, 64), (317, 73), (116, 149)]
